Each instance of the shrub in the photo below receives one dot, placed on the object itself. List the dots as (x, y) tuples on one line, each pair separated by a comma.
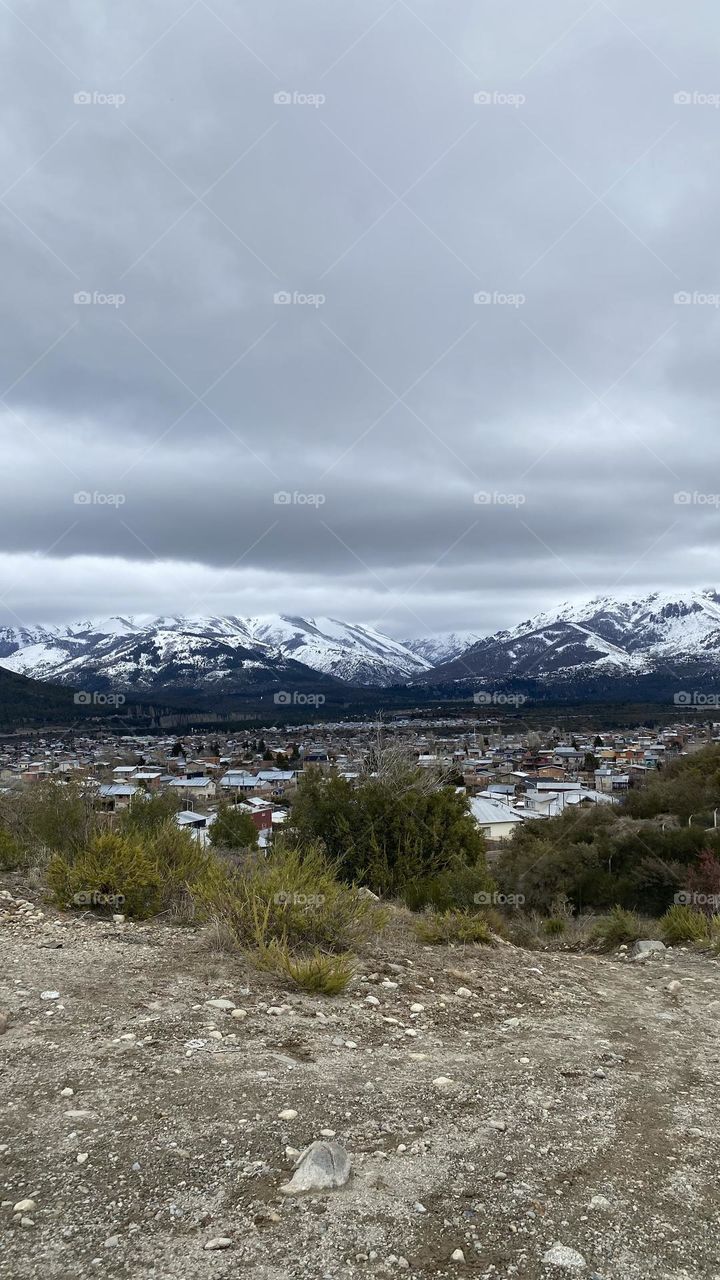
[(47, 817), (454, 889), (619, 927), (684, 924), (555, 925), (113, 865), (148, 813), (12, 855), (440, 928), (327, 975), (292, 898), (233, 828)]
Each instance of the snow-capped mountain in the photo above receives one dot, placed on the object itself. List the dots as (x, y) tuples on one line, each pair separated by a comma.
[(604, 639), (228, 653), (444, 646)]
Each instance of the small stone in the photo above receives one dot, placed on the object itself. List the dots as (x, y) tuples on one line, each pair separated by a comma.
[(417, 1008), (500, 1125), (24, 1206), (277, 1010), (118, 919), (561, 1256), (327, 1133), (457, 1256), (648, 948), (465, 992), (80, 1115), (4, 1022), (599, 1202), (288, 1114), (673, 987), (238, 1013), (221, 1003), (67, 1092), (443, 1082), (49, 995), (372, 1000), (26, 1222), (81, 1157), (220, 1242), (112, 1242), (215, 1035)]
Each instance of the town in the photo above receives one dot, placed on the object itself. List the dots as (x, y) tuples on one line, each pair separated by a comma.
[(510, 777)]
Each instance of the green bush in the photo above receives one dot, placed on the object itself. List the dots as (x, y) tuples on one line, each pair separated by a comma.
[(322, 974), (440, 928), (233, 828), (454, 889), (292, 898), (618, 927), (113, 866), (12, 854), (148, 813), (684, 924), (48, 817), (554, 925)]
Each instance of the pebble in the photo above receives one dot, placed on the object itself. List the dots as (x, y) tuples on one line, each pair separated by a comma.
[(465, 992), (599, 1202), (81, 1157), (67, 1093), (219, 1242), (321, 1167), (443, 1082), (372, 1000), (221, 1003), (417, 1008), (49, 995), (24, 1206), (4, 1021), (112, 1242), (673, 987), (457, 1256), (288, 1114), (238, 1013)]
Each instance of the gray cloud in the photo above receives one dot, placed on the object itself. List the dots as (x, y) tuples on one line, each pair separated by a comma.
[(581, 198)]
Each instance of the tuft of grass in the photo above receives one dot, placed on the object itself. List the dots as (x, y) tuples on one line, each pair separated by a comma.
[(554, 925), (317, 972), (441, 928), (684, 924), (618, 927)]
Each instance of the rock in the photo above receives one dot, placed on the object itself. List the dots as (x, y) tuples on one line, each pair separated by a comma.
[(24, 1206), (443, 1082), (673, 987), (112, 1242), (80, 1115), (288, 1114), (367, 893), (320, 1167), (220, 1242), (457, 1256), (238, 1013), (464, 992), (49, 995), (372, 1000), (221, 1003), (118, 919), (599, 1202), (417, 1008), (500, 1125), (81, 1157), (26, 1222), (561, 1256), (67, 1093), (648, 948)]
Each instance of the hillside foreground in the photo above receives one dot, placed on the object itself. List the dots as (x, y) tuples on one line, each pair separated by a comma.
[(496, 1101)]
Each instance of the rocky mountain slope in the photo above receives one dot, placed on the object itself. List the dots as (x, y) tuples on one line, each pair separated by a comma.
[(604, 640), (223, 653)]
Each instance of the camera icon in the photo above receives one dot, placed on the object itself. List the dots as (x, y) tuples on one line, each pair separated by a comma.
[(282, 98), (482, 98), (482, 299), (683, 699), (682, 98), (282, 499), (683, 898), (482, 699), (82, 499), (282, 299), (481, 499), (82, 699), (682, 299), (82, 98), (282, 698), (82, 298), (682, 499), (483, 899)]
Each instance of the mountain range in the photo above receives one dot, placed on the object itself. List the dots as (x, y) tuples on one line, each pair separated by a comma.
[(604, 646)]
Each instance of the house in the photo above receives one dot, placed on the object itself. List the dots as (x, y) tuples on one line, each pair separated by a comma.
[(116, 796), (239, 780), (193, 788), (497, 821)]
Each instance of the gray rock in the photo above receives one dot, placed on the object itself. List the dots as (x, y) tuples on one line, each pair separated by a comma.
[(320, 1167), (220, 1242), (648, 948), (561, 1256)]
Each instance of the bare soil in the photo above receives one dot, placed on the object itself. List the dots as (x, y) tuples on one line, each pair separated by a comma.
[(598, 1081)]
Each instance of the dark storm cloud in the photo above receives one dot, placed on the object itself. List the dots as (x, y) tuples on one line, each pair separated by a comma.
[(446, 461)]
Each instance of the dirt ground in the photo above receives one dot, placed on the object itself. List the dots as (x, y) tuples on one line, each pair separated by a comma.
[(581, 1111)]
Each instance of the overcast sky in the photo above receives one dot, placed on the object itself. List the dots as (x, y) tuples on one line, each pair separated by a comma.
[(441, 462)]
